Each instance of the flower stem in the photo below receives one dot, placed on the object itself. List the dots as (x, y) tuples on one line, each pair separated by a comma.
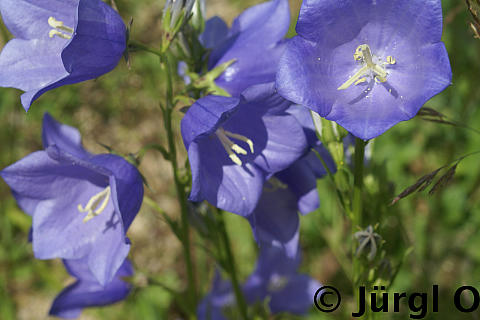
[(137, 46), (242, 306), (179, 186), (358, 183), (357, 209)]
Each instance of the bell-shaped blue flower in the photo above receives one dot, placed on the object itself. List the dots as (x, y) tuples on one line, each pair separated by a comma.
[(275, 220), (81, 204), (87, 292), (58, 43), (365, 64), (233, 144), (255, 41), (275, 277)]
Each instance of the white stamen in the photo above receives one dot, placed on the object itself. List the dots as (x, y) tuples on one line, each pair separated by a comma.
[(242, 138), (369, 68), (231, 147), (58, 27), (93, 207)]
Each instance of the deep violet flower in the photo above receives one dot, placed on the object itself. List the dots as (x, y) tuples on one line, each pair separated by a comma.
[(81, 204), (233, 144), (365, 64), (87, 292), (58, 42), (275, 277), (255, 41)]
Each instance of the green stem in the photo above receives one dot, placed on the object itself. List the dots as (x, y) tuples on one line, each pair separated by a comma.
[(179, 186), (137, 46), (358, 183), (357, 209), (231, 267)]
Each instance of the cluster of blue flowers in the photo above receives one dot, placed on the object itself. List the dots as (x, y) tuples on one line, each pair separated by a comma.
[(252, 147)]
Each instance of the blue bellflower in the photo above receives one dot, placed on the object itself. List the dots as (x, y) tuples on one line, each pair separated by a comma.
[(81, 204), (275, 220), (255, 41), (365, 64), (58, 43), (234, 144), (275, 277), (87, 292)]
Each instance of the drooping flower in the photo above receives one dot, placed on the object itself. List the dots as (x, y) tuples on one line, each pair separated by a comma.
[(255, 41), (275, 220), (234, 143), (87, 292), (58, 43), (365, 64), (81, 204), (275, 278)]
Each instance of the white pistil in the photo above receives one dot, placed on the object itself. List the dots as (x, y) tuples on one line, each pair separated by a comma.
[(232, 148), (93, 207), (59, 29), (369, 68)]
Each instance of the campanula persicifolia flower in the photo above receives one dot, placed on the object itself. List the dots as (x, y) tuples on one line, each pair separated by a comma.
[(275, 220), (87, 292), (365, 64), (81, 204), (255, 41), (58, 43), (233, 144), (275, 278)]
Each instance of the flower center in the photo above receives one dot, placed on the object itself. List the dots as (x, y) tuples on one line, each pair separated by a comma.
[(277, 283), (232, 148), (96, 204), (370, 68), (58, 29)]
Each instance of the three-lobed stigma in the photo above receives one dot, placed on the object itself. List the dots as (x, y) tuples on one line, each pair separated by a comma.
[(370, 68), (59, 29), (96, 204), (232, 148)]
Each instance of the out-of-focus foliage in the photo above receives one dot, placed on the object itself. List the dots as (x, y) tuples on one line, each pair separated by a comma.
[(121, 110)]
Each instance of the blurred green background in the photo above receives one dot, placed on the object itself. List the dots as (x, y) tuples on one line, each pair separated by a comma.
[(121, 110)]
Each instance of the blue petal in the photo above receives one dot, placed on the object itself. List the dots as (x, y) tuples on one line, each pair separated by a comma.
[(296, 296), (278, 138), (417, 79), (220, 296), (218, 180), (216, 31), (301, 178), (29, 65), (86, 292), (275, 220), (64, 137), (256, 44), (303, 79), (27, 19), (98, 44), (128, 191), (304, 117), (205, 116), (332, 22)]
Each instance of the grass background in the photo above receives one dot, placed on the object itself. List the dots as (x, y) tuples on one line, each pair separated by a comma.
[(121, 110)]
